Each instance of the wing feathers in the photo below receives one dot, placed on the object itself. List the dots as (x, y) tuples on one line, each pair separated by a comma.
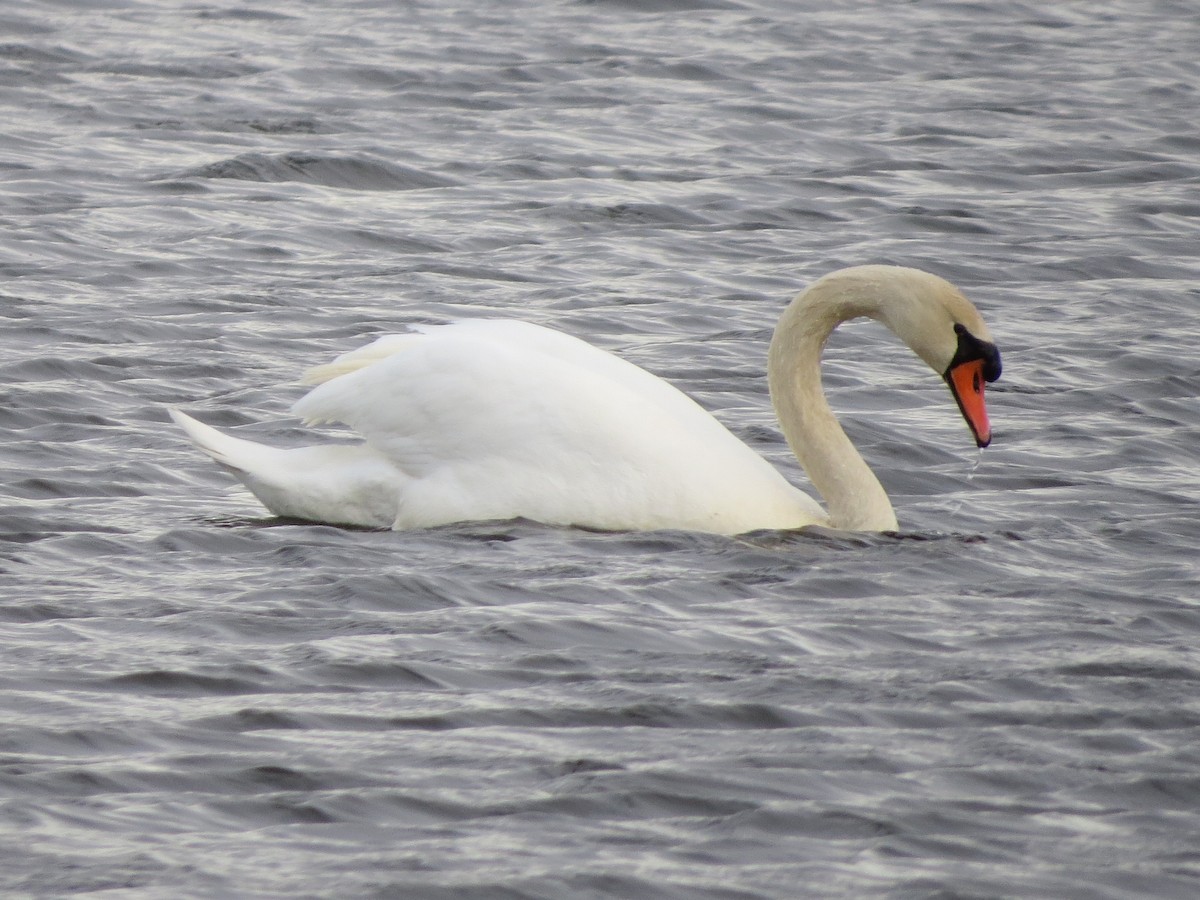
[(381, 348)]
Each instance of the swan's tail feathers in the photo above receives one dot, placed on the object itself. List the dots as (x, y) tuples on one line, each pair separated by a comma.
[(240, 456), (344, 484), (254, 465)]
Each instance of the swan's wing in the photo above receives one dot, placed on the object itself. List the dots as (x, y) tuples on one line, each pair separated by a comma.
[(358, 359), (483, 368), (494, 419)]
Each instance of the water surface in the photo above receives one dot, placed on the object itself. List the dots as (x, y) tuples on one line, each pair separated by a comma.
[(199, 201)]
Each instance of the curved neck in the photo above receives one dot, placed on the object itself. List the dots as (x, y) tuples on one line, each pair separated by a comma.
[(853, 495)]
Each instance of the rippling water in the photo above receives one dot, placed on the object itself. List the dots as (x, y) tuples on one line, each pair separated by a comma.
[(201, 200)]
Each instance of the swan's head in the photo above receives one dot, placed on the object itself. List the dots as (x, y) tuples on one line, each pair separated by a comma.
[(930, 315), (946, 330)]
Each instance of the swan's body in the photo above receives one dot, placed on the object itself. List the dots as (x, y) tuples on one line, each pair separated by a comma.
[(494, 419)]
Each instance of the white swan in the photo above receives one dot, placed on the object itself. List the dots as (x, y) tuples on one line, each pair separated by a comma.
[(496, 419)]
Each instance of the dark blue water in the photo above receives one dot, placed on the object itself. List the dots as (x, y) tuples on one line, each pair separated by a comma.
[(200, 200)]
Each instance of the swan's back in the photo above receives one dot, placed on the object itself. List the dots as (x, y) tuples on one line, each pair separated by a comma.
[(496, 419)]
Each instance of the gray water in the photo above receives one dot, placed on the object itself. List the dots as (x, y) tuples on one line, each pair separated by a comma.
[(202, 199)]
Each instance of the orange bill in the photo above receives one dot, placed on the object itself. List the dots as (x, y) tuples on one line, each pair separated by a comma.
[(966, 383)]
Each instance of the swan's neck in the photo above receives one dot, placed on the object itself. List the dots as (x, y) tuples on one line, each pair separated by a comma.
[(853, 495)]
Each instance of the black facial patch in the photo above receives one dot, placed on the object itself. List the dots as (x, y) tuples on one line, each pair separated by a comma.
[(971, 348)]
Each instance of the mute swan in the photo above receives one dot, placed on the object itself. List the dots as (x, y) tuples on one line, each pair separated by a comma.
[(496, 419)]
